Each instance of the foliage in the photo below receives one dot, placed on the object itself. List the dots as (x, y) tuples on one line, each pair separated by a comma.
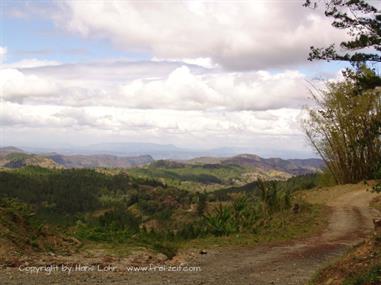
[(377, 188), (189, 176), (362, 21), (272, 199), (220, 222), (292, 184), (14, 156), (201, 203), (53, 188), (377, 172), (371, 277), (245, 211), (345, 129), (123, 209), (325, 179), (119, 218), (64, 191)]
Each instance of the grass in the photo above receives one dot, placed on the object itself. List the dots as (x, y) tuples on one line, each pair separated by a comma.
[(376, 203), (285, 226), (282, 227), (126, 211), (369, 277)]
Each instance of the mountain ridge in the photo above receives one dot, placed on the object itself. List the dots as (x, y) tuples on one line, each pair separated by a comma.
[(20, 158), (163, 151)]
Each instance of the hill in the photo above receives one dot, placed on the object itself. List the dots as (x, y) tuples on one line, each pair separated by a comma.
[(291, 166), (163, 151), (53, 211), (286, 166), (9, 149), (92, 161), (214, 173), (21, 159), (11, 157)]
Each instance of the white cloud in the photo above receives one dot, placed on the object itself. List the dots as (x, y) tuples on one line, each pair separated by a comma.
[(16, 86), (199, 123), (178, 88), (152, 101), (262, 130), (237, 35), (205, 62), (30, 63), (208, 81), (221, 91), (110, 71)]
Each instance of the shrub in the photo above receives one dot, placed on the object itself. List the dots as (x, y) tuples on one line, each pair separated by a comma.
[(219, 221), (371, 277)]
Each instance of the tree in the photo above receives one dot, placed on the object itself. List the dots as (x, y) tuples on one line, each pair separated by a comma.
[(362, 21), (344, 128)]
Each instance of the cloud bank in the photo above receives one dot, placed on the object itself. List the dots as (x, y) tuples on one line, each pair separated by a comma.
[(236, 35), (213, 74), (175, 101), (173, 87)]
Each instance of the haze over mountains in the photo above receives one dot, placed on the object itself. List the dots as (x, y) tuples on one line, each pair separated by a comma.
[(13, 157), (159, 151), (138, 155)]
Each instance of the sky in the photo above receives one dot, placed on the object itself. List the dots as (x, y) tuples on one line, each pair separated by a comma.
[(191, 73)]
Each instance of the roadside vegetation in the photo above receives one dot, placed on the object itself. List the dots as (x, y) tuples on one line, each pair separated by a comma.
[(344, 126), (91, 206)]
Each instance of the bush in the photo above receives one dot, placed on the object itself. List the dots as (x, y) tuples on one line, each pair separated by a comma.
[(371, 277), (326, 179), (165, 247), (219, 221), (377, 173), (119, 219), (201, 203)]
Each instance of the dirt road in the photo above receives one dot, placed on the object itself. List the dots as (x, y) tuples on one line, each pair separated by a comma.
[(291, 263)]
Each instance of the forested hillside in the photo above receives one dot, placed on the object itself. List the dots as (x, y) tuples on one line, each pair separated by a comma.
[(118, 207)]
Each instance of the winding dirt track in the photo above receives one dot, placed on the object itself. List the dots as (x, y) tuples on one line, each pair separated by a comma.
[(291, 263)]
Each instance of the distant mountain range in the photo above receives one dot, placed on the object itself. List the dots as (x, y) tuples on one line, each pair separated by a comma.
[(158, 151), (12, 157), (291, 166)]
